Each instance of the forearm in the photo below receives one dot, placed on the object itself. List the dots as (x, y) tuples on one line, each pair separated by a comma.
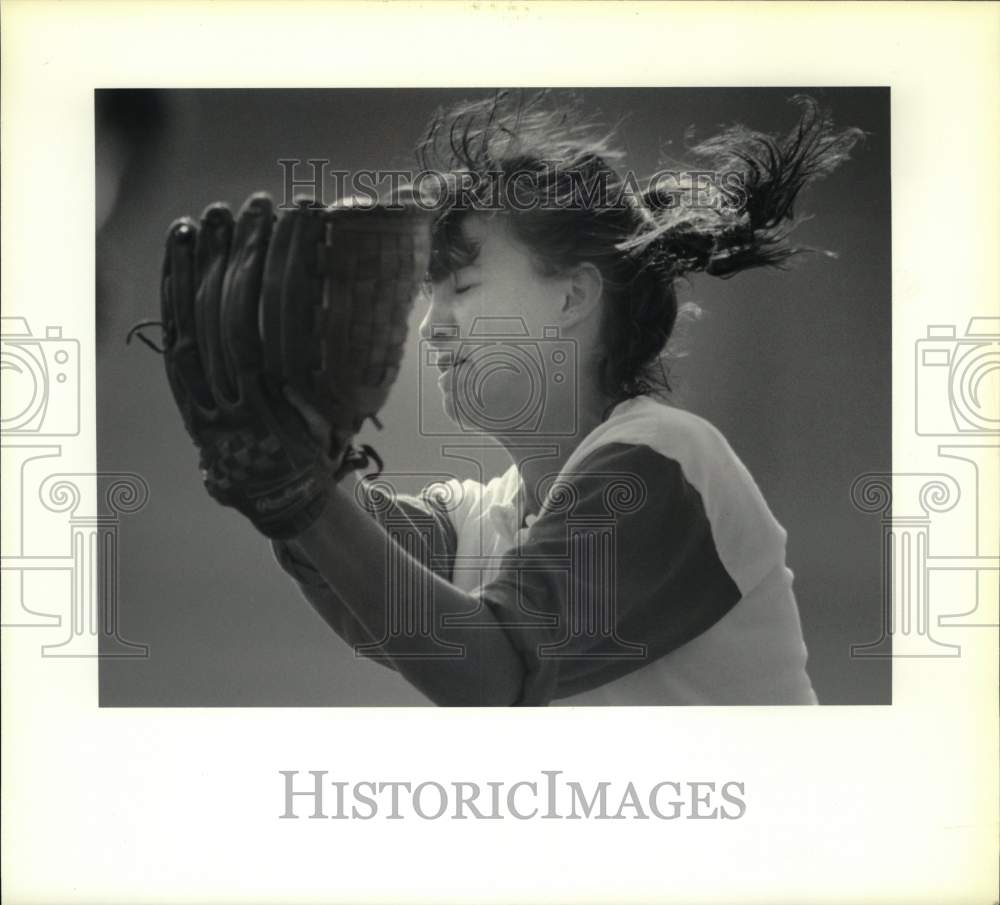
[(326, 602), (348, 548)]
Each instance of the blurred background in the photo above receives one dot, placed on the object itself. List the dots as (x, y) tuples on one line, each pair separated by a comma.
[(794, 368)]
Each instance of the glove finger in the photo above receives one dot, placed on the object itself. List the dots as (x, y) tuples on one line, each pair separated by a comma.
[(271, 291), (178, 287), (241, 343), (212, 254), (302, 298), (292, 295)]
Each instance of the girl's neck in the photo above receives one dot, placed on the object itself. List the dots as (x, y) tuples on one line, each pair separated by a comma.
[(538, 457)]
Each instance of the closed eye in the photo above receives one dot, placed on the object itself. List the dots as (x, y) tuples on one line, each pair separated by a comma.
[(461, 289)]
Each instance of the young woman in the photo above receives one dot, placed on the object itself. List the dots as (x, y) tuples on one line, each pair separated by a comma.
[(636, 561)]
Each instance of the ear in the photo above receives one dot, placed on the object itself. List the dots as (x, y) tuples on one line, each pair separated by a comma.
[(584, 288)]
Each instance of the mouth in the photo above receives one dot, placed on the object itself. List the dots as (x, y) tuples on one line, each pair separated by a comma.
[(444, 365)]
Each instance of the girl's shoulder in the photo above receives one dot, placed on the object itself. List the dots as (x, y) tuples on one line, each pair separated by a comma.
[(679, 453), (688, 439)]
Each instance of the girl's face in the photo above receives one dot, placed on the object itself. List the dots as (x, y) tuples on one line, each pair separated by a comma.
[(498, 328)]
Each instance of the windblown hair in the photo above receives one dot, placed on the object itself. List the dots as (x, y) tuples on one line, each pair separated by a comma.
[(580, 207)]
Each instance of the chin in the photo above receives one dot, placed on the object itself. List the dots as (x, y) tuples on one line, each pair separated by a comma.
[(485, 407), (448, 404)]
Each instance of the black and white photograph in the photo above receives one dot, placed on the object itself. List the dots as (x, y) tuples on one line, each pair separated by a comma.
[(508, 396), (503, 451)]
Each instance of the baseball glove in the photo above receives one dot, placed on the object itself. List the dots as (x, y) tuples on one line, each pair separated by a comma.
[(311, 305)]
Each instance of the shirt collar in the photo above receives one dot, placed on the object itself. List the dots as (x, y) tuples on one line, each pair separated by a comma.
[(502, 512)]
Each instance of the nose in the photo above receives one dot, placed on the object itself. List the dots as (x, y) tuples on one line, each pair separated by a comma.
[(438, 322)]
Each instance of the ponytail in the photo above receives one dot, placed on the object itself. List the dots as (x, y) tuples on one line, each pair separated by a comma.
[(723, 239)]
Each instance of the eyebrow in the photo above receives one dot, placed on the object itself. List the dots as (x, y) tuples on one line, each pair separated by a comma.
[(451, 250)]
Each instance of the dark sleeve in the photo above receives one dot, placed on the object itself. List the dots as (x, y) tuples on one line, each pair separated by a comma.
[(419, 523), (619, 569)]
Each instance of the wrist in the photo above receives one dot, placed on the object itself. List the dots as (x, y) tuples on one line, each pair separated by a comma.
[(325, 512), (280, 510)]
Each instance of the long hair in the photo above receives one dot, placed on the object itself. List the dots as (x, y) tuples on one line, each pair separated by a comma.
[(573, 203)]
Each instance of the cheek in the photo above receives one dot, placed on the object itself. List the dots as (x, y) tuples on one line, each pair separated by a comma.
[(497, 387), (528, 304), (501, 384)]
